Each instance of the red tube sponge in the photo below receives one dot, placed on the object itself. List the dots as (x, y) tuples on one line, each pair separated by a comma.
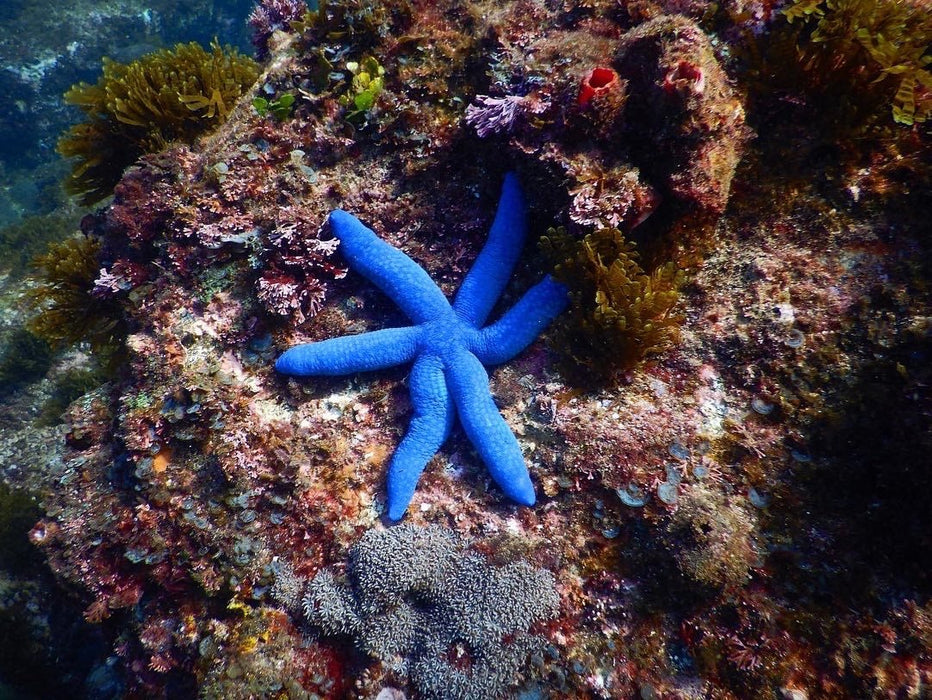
[(599, 81)]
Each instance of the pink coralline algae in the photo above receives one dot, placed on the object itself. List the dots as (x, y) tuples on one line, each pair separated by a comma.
[(613, 198), (497, 115), (290, 285), (122, 276), (196, 227), (285, 296)]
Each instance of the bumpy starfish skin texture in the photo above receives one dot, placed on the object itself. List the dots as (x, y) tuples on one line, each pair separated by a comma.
[(447, 344)]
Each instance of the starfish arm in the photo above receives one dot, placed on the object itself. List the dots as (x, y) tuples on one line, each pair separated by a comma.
[(402, 279), (352, 353), (484, 426), (430, 426), (521, 324), (490, 273)]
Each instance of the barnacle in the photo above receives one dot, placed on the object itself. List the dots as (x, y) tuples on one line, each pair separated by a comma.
[(68, 310), (880, 49), (169, 95), (713, 536), (618, 313)]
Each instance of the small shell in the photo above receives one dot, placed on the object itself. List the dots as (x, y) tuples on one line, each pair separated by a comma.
[(633, 495), (795, 338), (761, 407), (668, 493), (678, 451), (757, 498)]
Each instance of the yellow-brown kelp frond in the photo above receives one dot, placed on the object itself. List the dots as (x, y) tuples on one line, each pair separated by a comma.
[(169, 95), (880, 48), (618, 313), (68, 310)]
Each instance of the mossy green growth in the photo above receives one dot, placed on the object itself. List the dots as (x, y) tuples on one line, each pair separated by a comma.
[(69, 385), (18, 513), (24, 358), (881, 48), (22, 241), (68, 312), (356, 23), (618, 313), (169, 95)]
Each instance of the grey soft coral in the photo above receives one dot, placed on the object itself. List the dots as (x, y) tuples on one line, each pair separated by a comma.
[(416, 597)]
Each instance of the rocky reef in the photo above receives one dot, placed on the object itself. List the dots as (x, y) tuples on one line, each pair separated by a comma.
[(736, 509)]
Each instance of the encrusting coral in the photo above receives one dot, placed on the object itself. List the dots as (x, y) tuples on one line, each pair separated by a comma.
[(419, 600), (169, 95)]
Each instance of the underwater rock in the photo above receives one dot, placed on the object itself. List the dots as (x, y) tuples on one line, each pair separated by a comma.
[(683, 119)]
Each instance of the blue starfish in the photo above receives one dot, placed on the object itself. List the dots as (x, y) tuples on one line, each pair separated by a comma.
[(447, 344)]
